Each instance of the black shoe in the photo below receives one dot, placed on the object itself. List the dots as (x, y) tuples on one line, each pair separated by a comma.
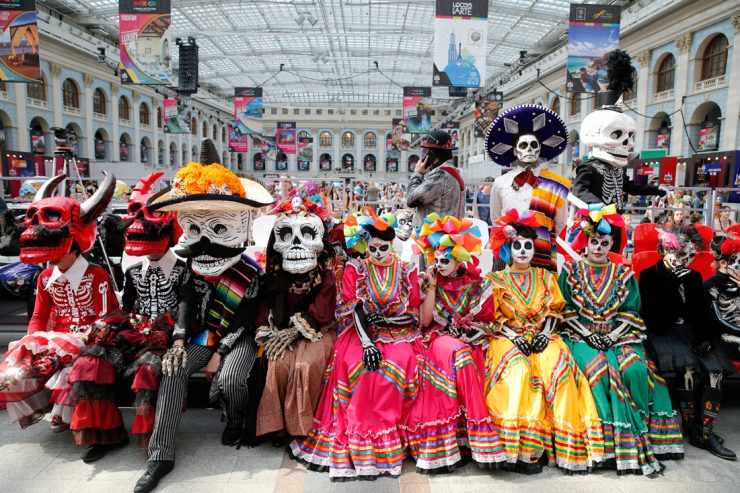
[(96, 452), (232, 435), (713, 445), (156, 470)]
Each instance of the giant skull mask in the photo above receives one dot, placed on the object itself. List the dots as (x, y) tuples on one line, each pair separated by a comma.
[(611, 135), (527, 149), (149, 232), (214, 240), (682, 256), (53, 224), (405, 226), (299, 240)]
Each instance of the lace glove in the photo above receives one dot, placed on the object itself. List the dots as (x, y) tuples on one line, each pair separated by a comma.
[(371, 357), (280, 342), (597, 341), (174, 359)]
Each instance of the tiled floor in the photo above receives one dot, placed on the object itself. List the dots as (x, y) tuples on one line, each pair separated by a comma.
[(37, 461)]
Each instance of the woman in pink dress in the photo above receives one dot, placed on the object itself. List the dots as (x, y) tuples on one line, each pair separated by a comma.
[(371, 382)]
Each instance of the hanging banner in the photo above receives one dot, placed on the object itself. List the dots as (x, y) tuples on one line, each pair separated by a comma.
[(285, 137), (709, 136), (593, 34), (391, 165), (248, 109), (177, 117), (269, 150), (735, 196), (460, 28), (325, 162), (238, 142), (305, 153), (486, 110), (417, 109), (370, 163), (452, 128), (668, 170), (19, 56), (145, 38), (457, 92), (400, 138), (663, 139)]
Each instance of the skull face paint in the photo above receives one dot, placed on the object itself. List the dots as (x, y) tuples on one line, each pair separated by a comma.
[(379, 251), (682, 256), (527, 149), (522, 251), (299, 240), (213, 240), (447, 267), (611, 135), (733, 265), (597, 248)]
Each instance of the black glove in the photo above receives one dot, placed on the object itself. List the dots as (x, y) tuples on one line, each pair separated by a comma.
[(374, 318), (539, 343), (702, 348), (371, 357), (522, 343), (597, 341)]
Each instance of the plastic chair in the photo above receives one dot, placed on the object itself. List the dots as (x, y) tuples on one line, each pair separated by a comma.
[(261, 230), (706, 233), (645, 238), (644, 260), (702, 264), (486, 261), (484, 231)]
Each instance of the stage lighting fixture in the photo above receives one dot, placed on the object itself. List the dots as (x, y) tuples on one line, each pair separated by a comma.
[(101, 55)]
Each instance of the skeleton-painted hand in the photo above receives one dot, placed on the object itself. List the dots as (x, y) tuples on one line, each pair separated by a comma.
[(681, 271), (371, 357), (522, 343), (174, 359), (597, 341), (539, 342), (374, 318), (280, 342)]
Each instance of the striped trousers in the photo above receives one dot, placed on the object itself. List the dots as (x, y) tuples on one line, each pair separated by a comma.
[(232, 381)]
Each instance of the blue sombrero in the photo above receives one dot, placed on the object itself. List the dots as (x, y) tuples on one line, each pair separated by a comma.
[(537, 120)]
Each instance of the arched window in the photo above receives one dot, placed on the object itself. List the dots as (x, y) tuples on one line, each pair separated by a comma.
[(325, 162), (214, 132), (144, 150), (303, 135), (371, 140), (100, 102), (325, 139), (123, 147), (348, 140), (195, 154), (160, 121), (194, 126), (70, 94), (223, 134), (370, 163), (348, 162), (37, 90), (204, 130), (556, 105), (666, 74), (100, 146), (144, 114), (124, 108), (714, 61), (575, 104)]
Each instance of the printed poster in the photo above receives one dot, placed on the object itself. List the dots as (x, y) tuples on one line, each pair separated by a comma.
[(248, 109), (177, 117), (709, 136), (19, 38), (370, 163), (486, 111), (668, 167), (460, 32), (305, 153), (391, 165), (325, 162), (238, 142), (452, 128), (285, 137), (145, 38), (417, 109), (663, 139), (400, 138), (593, 33)]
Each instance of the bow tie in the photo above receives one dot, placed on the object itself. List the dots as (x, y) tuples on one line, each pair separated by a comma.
[(525, 177)]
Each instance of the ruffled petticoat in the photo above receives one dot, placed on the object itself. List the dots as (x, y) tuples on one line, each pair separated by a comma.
[(44, 358)]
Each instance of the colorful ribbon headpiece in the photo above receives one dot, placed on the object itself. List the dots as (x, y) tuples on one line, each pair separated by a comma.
[(455, 238), (597, 219), (312, 201), (725, 247), (668, 240), (504, 232), (356, 234)]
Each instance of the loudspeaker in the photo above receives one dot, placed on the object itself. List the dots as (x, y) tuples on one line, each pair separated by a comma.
[(188, 70)]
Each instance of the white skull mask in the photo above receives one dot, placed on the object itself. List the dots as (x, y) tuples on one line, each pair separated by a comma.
[(379, 251), (447, 267), (680, 257), (597, 248), (611, 135), (527, 149), (213, 240), (733, 264), (405, 227), (299, 239), (522, 250)]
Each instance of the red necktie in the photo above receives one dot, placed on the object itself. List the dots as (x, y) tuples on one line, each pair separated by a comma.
[(525, 177)]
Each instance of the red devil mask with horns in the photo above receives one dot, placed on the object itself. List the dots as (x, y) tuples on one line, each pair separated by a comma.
[(54, 225), (148, 232)]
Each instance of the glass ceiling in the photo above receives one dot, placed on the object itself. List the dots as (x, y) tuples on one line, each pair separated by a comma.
[(328, 47)]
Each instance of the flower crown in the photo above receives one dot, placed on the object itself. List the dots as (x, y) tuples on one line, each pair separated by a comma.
[(597, 219), (312, 201), (504, 232), (355, 233), (668, 240), (454, 238), (196, 178)]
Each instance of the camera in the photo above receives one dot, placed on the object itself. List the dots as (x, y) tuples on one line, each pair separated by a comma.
[(64, 137)]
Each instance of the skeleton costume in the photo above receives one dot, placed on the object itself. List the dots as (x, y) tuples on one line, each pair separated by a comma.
[(296, 316), (605, 334), (722, 296), (218, 302), (679, 338), (450, 413), (371, 382), (68, 304), (611, 135), (524, 137), (539, 400), (151, 294)]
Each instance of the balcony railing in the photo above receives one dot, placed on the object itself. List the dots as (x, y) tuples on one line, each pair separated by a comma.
[(574, 118), (124, 121), (100, 116), (72, 110), (659, 97), (4, 95), (709, 84), (38, 103)]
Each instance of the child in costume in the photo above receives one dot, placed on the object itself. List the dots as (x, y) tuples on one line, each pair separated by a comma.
[(151, 295), (450, 413), (722, 294), (295, 321), (539, 401), (371, 382), (604, 332)]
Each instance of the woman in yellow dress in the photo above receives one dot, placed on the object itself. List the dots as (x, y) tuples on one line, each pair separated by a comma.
[(540, 402)]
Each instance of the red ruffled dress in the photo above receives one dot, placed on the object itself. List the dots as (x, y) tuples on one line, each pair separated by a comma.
[(450, 412), (360, 423)]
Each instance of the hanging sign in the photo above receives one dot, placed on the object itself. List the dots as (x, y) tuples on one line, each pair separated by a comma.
[(238, 142), (452, 128), (145, 38), (305, 153), (417, 109), (248, 109), (19, 56), (663, 139), (285, 137), (709, 136), (593, 33), (177, 117), (668, 170), (460, 28), (486, 110)]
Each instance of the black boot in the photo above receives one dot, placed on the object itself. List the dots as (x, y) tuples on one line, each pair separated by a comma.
[(687, 407), (96, 452), (703, 435), (156, 470), (232, 434)]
